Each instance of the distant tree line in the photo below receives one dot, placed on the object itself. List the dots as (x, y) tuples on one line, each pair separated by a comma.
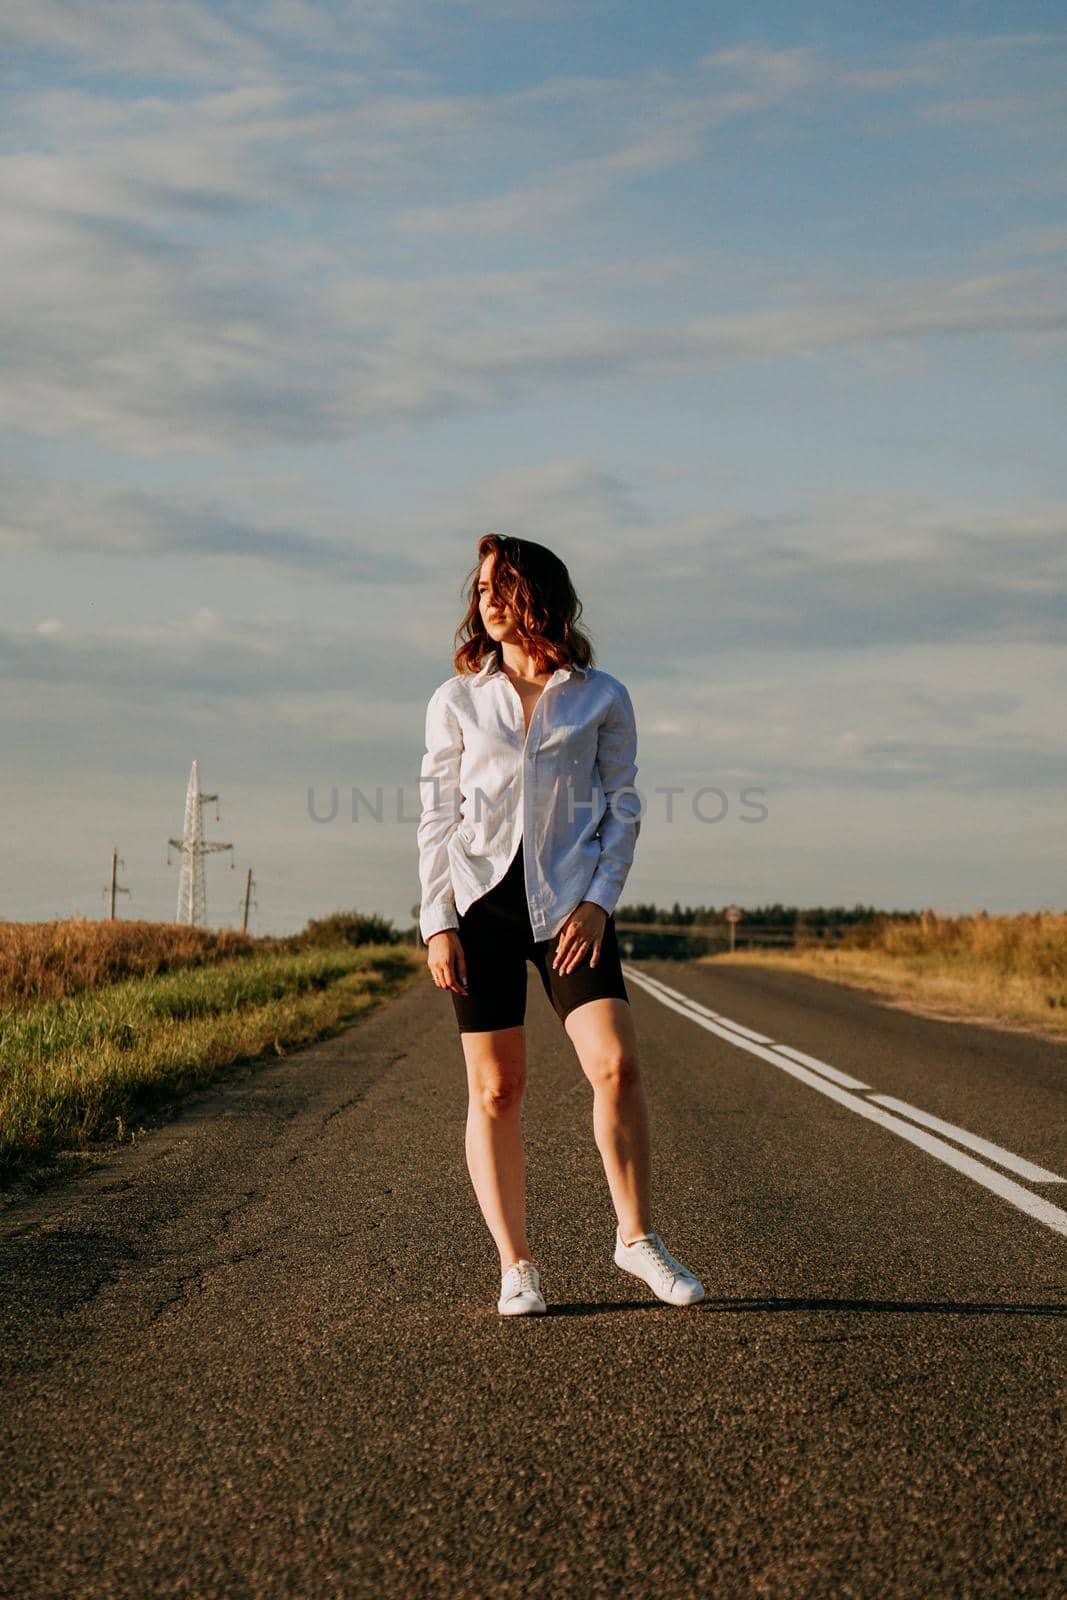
[(681, 932)]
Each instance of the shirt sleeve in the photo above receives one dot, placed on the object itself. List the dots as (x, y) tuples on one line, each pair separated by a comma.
[(439, 815), (616, 761)]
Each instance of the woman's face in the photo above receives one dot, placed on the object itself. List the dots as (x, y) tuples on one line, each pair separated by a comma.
[(498, 619)]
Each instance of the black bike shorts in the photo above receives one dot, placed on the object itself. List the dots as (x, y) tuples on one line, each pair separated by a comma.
[(498, 941)]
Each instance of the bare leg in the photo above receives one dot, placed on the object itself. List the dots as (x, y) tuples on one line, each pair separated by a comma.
[(602, 1032), (496, 1078)]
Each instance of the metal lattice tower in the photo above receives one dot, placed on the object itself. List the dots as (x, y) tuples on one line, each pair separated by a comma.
[(192, 889)]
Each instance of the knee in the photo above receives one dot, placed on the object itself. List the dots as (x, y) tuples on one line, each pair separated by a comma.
[(616, 1071), (501, 1096)]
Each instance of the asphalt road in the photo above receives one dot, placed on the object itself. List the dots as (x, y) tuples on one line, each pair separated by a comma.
[(259, 1354)]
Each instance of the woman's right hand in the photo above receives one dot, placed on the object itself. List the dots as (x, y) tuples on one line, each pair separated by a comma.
[(446, 960)]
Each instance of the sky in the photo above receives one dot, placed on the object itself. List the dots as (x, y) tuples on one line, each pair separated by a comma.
[(756, 314)]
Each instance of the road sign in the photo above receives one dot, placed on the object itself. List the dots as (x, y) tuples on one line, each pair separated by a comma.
[(733, 913)]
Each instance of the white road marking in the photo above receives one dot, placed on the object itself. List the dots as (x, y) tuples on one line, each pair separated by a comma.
[(727, 1029), (705, 1011), (992, 1152), (1035, 1206), (823, 1067)]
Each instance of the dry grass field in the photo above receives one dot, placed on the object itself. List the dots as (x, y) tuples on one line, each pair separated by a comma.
[(1010, 971)]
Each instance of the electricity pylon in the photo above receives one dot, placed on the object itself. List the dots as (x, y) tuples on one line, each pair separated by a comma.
[(192, 889)]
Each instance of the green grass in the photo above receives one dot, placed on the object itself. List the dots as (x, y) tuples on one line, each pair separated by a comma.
[(78, 1071)]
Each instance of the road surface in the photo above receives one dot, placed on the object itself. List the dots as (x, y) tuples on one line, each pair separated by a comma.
[(258, 1354)]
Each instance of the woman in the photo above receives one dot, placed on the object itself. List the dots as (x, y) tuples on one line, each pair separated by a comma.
[(526, 835)]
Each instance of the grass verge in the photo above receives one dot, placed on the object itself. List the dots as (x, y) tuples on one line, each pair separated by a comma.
[(1007, 972), (79, 1073)]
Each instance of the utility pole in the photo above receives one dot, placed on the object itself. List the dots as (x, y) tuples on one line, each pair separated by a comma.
[(248, 900), (192, 890), (115, 887)]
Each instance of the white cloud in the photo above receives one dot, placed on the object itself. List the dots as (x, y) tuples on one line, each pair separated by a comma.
[(135, 312), (204, 622), (268, 525), (568, 189), (129, 344), (840, 572), (172, 39), (776, 69)]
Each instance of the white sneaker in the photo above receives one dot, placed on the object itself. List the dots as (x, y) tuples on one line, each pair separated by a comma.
[(520, 1290), (649, 1259)]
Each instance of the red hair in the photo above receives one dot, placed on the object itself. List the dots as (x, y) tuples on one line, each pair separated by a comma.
[(537, 586)]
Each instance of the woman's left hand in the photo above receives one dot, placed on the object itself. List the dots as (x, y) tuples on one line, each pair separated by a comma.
[(581, 935)]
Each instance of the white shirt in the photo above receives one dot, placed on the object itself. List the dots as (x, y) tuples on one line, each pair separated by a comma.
[(565, 787)]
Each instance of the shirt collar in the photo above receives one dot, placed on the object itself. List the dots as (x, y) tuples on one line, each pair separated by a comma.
[(491, 668)]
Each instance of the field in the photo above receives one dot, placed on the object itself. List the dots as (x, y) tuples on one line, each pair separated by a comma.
[(1006, 970), (104, 1026)]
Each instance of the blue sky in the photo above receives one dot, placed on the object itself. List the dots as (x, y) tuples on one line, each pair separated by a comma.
[(756, 314)]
